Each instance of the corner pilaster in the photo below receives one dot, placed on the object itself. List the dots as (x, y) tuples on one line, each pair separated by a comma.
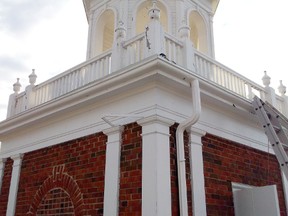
[(12, 199), (156, 182), (197, 172), (112, 170)]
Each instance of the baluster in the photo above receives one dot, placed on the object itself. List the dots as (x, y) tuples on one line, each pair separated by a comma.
[(250, 92), (137, 51)]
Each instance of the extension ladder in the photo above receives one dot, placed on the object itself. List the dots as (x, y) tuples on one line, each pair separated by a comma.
[(276, 128)]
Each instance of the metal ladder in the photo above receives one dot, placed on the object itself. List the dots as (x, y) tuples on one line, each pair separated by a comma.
[(276, 128)]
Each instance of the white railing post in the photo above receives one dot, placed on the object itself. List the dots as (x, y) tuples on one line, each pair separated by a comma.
[(30, 94), (13, 99), (270, 95), (117, 61), (188, 48), (154, 34), (282, 91)]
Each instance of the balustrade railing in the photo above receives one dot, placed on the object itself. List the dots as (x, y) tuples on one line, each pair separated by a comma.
[(64, 83), (173, 49), (135, 50), (226, 77)]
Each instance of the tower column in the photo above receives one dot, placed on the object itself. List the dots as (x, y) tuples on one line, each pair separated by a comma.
[(112, 170), (12, 200), (156, 182), (197, 172), (2, 167)]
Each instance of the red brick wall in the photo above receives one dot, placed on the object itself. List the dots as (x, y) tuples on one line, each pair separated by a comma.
[(76, 167), (5, 186), (225, 162), (72, 174), (131, 171)]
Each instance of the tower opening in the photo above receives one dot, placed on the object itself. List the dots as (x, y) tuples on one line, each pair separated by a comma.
[(104, 32), (198, 32)]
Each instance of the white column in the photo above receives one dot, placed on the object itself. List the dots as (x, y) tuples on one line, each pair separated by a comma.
[(156, 182), (14, 184), (112, 170), (2, 167), (197, 172)]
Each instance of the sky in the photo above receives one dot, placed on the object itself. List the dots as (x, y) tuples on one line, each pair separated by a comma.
[(50, 36)]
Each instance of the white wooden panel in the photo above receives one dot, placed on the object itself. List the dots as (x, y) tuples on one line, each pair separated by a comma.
[(257, 201)]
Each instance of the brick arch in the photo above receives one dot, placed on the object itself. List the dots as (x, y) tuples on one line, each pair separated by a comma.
[(61, 180)]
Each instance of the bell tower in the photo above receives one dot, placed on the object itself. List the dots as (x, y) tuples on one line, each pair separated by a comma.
[(132, 16)]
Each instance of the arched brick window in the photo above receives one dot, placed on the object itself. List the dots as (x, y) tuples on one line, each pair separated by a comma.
[(58, 193), (56, 202)]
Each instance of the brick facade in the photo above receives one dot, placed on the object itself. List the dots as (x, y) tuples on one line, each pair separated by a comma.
[(74, 170), (5, 186), (226, 162), (131, 171), (69, 177)]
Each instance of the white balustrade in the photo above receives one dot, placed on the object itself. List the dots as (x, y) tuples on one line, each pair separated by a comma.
[(134, 51), (70, 80), (226, 77), (173, 49)]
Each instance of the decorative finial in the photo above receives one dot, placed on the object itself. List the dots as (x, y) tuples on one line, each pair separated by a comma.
[(16, 86), (154, 12), (266, 79), (32, 77), (282, 88)]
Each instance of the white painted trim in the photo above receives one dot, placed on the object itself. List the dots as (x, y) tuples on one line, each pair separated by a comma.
[(197, 172), (156, 178), (13, 191), (2, 167), (112, 170)]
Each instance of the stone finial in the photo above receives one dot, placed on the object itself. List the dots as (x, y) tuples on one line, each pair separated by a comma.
[(282, 88), (32, 77), (266, 79), (154, 12), (184, 30), (17, 86)]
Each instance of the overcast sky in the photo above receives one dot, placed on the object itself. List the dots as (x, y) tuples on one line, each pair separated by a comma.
[(51, 36)]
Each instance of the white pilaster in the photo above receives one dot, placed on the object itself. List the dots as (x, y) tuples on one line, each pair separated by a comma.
[(197, 172), (112, 170), (17, 162), (156, 182), (2, 167)]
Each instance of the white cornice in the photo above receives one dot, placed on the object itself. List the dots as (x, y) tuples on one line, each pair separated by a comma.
[(152, 69)]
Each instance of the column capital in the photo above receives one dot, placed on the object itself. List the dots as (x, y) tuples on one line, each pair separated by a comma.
[(197, 132), (113, 130), (17, 159), (156, 119)]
